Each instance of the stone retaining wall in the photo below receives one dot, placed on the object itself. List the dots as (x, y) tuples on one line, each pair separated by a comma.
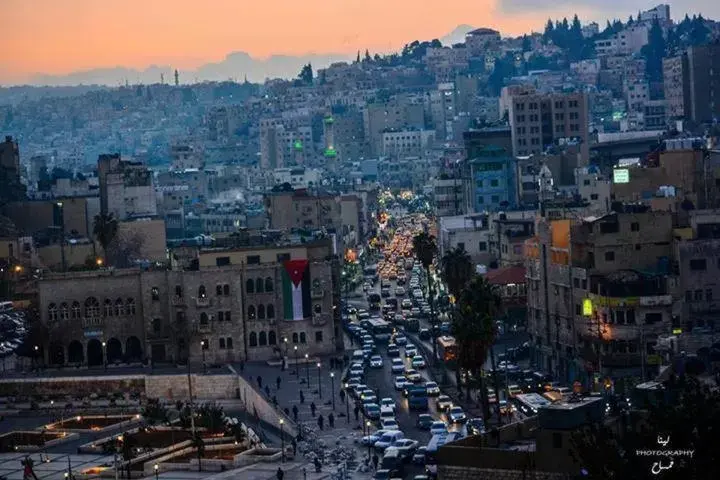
[(74, 386), (175, 387)]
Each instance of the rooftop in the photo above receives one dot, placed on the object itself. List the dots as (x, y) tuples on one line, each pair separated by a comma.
[(506, 276)]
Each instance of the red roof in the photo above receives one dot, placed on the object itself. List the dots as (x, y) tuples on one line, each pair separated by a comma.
[(505, 276)]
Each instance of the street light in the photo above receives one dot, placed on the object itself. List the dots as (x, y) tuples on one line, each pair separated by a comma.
[(157, 471), (104, 345), (368, 432), (282, 439), (332, 388), (202, 347), (297, 365), (319, 382), (307, 370), (347, 404)]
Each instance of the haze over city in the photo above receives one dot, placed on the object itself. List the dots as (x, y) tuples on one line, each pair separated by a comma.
[(45, 40)]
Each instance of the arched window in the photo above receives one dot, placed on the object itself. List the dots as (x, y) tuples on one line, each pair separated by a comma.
[(204, 320), (64, 311), (253, 339), (250, 286), (226, 289), (295, 337), (251, 312), (178, 291), (119, 307), (75, 310), (270, 311), (261, 312), (92, 307), (259, 285), (130, 306), (272, 338), (263, 339), (218, 290), (108, 307), (269, 284), (52, 312), (303, 339), (202, 293), (317, 308)]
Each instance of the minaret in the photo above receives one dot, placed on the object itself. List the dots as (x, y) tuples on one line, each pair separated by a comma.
[(177, 78), (299, 152), (162, 79), (329, 132)]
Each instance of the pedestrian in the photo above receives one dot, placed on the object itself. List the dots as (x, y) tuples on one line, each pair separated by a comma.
[(342, 395), (280, 474), (287, 411), (331, 420), (278, 382), (321, 421), (295, 412), (259, 380), (304, 473), (302, 397), (294, 444), (242, 366), (375, 461), (267, 390), (357, 412), (352, 342), (274, 401), (313, 408), (284, 365)]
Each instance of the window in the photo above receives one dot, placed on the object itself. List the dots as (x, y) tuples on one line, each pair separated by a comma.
[(557, 440), (119, 307), (651, 318), (157, 325), (688, 295), (253, 259), (107, 306), (303, 339), (259, 285), (317, 308), (155, 294), (698, 264), (578, 309), (295, 338), (221, 316), (205, 344), (250, 286), (480, 200), (593, 196), (92, 308), (634, 227), (202, 293), (178, 291), (253, 339), (52, 312), (283, 257), (229, 343), (226, 290), (261, 312), (461, 245), (204, 320), (222, 261), (251, 312), (221, 343), (263, 339), (482, 246), (65, 311), (227, 316), (130, 306), (270, 311), (269, 284), (319, 336), (495, 199), (698, 295), (218, 290), (609, 256), (272, 338)]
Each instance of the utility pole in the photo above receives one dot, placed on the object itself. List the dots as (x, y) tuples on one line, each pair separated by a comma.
[(192, 408)]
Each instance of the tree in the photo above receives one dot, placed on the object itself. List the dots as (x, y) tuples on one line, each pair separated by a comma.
[(654, 52), (475, 330), (305, 77), (457, 270), (105, 229), (549, 31), (154, 412), (357, 59), (211, 417), (368, 59), (425, 249), (526, 44)]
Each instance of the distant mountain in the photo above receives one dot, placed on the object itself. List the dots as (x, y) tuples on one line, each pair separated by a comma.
[(235, 66), (457, 35)]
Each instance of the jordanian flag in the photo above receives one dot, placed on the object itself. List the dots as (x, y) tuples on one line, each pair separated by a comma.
[(296, 290)]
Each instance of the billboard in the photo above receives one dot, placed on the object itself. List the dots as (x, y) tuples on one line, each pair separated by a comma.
[(621, 175)]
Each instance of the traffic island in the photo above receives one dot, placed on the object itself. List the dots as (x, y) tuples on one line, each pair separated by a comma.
[(32, 441)]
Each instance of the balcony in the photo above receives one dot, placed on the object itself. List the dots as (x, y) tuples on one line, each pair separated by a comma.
[(202, 302), (89, 322), (203, 328), (177, 301), (317, 293), (320, 319)]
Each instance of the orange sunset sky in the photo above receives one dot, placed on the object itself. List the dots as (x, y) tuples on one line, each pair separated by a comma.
[(62, 36)]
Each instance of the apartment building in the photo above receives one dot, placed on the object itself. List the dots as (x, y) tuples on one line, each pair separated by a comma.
[(406, 142), (493, 176), (449, 197), (300, 209), (469, 232), (280, 139), (541, 120), (482, 41), (673, 87), (240, 305), (395, 114), (701, 83), (126, 188)]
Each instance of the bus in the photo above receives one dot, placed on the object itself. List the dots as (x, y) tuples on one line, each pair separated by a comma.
[(380, 330), (417, 397), (447, 349), (374, 301), (434, 445), (370, 271), (529, 403)]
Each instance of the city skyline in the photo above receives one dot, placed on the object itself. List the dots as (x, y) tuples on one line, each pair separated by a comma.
[(51, 38)]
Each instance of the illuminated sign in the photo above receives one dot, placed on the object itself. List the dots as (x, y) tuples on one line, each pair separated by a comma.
[(621, 175), (587, 307), (677, 331)]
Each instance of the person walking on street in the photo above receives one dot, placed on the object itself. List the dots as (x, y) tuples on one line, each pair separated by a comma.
[(294, 444), (313, 408), (321, 421), (280, 474), (295, 412), (259, 380), (357, 411), (274, 401), (242, 367), (375, 461), (278, 382), (342, 395), (267, 390), (302, 397), (331, 420)]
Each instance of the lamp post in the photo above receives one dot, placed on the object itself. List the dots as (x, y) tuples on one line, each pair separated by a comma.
[(368, 433), (319, 382), (104, 345), (282, 439), (297, 365), (347, 404), (37, 362), (62, 235), (332, 388), (307, 370), (157, 471), (202, 347)]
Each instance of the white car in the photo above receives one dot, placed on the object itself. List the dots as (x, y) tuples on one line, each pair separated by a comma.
[(443, 403), (389, 424), (456, 415), (418, 362), (401, 340), (413, 375), (388, 402), (399, 291), (400, 382), (357, 371), (438, 428), (372, 438), (432, 389), (376, 361), (410, 351), (406, 304), (397, 365), (406, 446)]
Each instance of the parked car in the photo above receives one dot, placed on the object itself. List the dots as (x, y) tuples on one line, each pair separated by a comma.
[(457, 415), (388, 402), (393, 351), (424, 421), (388, 438), (443, 403), (372, 438), (372, 411)]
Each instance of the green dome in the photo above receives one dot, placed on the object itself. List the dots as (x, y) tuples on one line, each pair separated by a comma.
[(329, 120)]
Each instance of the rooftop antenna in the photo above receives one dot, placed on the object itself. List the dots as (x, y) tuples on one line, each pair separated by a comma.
[(177, 78)]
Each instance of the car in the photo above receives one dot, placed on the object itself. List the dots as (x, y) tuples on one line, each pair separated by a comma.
[(401, 279), (413, 375), (410, 351), (400, 340), (382, 474), (372, 411), (376, 361), (443, 403), (389, 424), (438, 427), (357, 390), (366, 287), (457, 415), (418, 457), (424, 421), (506, 408), (388, 402), (388, 438), (400, 382), (418, 362), (351, 384), (372, 438), (397, 365), (367, 352), (406, 304), (432, 389), (425, 334), (399, 291), (406, 446), (356, 371), (368, 396), (475, 426), (393, 351)]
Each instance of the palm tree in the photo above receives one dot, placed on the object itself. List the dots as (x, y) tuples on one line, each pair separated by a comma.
[(425, 249), (457, 270), (475, 330), (199, 445), (105, 228)]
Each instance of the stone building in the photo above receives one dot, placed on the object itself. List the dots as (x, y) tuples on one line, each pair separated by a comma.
[(246, 304)]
